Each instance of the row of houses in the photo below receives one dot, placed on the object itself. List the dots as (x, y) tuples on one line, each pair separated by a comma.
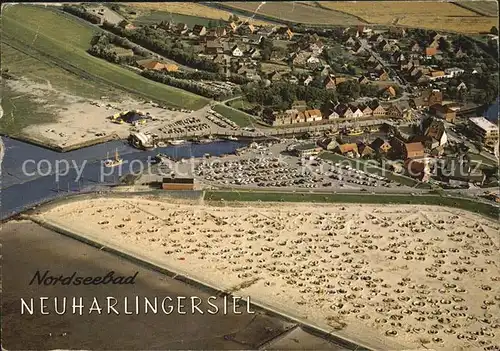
[(331, 111), (294, 116), (240, 28)]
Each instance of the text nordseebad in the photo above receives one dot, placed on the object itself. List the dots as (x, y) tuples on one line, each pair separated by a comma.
[(109, 278)]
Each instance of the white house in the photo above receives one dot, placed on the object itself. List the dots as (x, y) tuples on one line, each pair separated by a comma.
[(236, 52), (356, 112), (453, 72), (313, 115), (308, 80), (317, 47), (313, 60), (333, 115), (461, 86)]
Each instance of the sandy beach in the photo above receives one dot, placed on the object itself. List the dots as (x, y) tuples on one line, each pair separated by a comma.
[(399, 276)]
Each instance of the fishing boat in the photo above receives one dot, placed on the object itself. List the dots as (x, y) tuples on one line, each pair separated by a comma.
[(208, 139), (355, 132), (230, 137), (178, 142), (113, 162)]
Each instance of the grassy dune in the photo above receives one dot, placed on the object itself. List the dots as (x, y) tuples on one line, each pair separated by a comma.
[(61, 41)]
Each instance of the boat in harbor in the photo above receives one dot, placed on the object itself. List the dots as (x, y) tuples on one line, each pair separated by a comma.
[(355, 132), (113, 162), (141, 141), (162, 158), (232, 138), (178, 142)]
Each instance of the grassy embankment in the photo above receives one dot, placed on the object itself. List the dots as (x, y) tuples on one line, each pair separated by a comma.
[(240, 118), (434, 200), (48, 46)]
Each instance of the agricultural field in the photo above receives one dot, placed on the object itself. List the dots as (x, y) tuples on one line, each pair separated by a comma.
[(485, 8), (297, 12), (60, 41), (155, 17), (428, 15), (196, 10)]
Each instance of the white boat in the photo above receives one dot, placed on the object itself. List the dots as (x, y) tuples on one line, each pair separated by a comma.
[(232, 138), (178, 142)]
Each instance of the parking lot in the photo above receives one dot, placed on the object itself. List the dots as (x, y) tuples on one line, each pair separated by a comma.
[(187, 125), (203, 122), (271, 167)]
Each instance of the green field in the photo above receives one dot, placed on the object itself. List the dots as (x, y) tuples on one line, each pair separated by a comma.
[(436, 200), (240, 118), (60, 41), (360, 165), (28, 64)]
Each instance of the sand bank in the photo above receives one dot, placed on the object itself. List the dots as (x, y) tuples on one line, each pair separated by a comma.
[(399, 276)]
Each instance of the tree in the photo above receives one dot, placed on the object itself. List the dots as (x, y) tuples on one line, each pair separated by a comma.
[(444, 45), (266, 47), (494, 30)]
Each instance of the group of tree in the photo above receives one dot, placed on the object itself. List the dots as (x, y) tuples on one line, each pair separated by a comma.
[(279, 96), (216, 23), (154, 39), (104, 45), (203, 75), (266, 49), (151, 38), (80, 11), (184, 84)]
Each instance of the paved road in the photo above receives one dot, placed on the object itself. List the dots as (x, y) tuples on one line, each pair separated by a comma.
[(393, 73)]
